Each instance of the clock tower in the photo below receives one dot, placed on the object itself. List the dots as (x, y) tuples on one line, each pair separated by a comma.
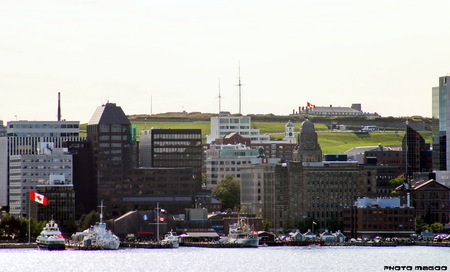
[(289, 133)]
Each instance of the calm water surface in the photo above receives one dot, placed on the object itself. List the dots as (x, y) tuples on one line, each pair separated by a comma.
[(226, 259)]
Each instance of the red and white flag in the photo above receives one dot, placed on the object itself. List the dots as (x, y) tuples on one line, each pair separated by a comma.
[(38, 198)]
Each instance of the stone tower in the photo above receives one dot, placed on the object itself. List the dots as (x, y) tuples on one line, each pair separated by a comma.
[(308, 146)]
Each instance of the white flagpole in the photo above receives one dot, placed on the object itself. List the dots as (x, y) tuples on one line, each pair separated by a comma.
[(29, 219)]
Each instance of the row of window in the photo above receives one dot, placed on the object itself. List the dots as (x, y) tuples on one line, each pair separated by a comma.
[(229, 162), (177, 136), (41, 126), (234, 120), (48, 160), (47, 167), (176, 143), (113, 137), (237, 128)]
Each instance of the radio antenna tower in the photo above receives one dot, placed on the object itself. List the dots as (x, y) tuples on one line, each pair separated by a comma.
[(58, 114), (220, 101), (239, 85)]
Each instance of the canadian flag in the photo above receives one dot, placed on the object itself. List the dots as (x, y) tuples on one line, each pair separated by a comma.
[(38, 198), (310, 105)]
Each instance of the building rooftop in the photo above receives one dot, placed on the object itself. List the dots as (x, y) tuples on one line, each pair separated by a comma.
[(109, 114)]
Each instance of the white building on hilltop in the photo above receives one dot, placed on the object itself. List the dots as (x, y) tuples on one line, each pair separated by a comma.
[(224, 125)]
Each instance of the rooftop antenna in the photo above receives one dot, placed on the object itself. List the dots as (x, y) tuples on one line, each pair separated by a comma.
[(220, 97), (59, 107), (239, 85)]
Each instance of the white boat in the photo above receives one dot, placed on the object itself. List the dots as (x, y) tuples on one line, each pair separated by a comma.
[(241, 233), (171, 240), (51, 237), (97, 236)]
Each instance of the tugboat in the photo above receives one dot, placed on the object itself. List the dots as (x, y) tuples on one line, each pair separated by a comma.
[(240, 233), (51, 237), (171, 240), (97, 236)]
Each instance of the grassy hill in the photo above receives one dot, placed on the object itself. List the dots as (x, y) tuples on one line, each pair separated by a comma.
[(331, 142)]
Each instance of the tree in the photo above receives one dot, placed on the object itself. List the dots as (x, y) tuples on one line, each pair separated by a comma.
[(437, 227), (228, 191), (266, 225), (88, 220), (397, 181)]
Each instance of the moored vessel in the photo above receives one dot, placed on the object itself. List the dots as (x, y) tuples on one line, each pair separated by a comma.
[(171, 239), (51, 237), (240, 233), (97, 236)]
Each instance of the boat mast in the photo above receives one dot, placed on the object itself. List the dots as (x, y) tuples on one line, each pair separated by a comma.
[(101, 211), (157, 221)]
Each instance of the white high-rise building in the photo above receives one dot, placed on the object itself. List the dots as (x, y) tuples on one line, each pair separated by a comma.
[(25, 137), (50, 166)]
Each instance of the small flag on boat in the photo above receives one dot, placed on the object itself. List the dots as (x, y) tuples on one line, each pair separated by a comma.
[(38, 198)]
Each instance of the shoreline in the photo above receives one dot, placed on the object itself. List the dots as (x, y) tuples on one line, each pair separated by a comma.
[(214, 245)]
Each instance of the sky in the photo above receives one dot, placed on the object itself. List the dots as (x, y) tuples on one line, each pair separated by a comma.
[(152, 56)]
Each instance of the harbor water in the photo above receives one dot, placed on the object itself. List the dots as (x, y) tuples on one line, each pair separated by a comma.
[(326, 258)]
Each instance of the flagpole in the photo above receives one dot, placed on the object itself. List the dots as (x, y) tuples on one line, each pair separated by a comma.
[(29, 219)]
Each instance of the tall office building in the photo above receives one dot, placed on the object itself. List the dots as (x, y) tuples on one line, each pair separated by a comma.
[(50, 166), (25, 138), (113, 146), (172, 148), (440, 103)]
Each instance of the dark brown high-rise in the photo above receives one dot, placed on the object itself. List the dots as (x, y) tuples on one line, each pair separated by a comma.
[(112, 141)]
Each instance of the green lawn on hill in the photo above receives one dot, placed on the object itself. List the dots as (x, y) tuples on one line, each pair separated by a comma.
[(331, 142)]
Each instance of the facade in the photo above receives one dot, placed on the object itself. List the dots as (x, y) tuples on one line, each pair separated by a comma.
[(224, 125), (417, 156), (24, 138), (430, 199), (51, 166), (384, 217), (272, 149), (61, 203), (354, 110), (312, 189), (388, 165), (4, 194), (440, 104), (226, 160), (114, 153), (43, 129), (115, 177), (173, 188), (252, 183), (83, 176), (172, 148)]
